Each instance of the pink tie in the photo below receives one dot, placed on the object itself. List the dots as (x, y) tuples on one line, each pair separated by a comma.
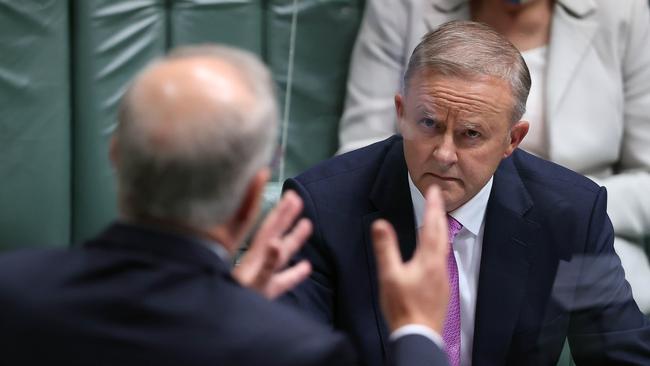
[(451, 331)]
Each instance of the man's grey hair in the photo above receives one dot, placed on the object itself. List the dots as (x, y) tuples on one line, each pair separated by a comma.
[(203, 183), (468, 49)]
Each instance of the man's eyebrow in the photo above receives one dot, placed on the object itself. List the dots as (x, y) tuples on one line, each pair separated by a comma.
[(426, 110), (429, 114), (473, 125), (468, 124), (421, 107)]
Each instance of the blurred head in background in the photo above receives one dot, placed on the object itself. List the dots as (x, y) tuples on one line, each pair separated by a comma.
[(195, 134)]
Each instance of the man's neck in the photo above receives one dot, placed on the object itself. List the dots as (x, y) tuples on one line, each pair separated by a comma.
[(216, 235)]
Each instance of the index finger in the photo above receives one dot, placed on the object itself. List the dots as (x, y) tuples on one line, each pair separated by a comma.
[(435, 239), (387, 255)]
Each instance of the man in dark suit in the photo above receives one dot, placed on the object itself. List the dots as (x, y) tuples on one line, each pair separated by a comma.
[(195, 133), (532, 261)]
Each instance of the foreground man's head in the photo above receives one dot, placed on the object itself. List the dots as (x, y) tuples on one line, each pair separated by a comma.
[(195, 134)]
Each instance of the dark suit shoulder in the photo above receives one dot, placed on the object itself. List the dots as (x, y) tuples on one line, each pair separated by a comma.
[(357, 162), (23, 269), (549, 195), (535, 170), (343, 184), (549, 187), (162, 311)]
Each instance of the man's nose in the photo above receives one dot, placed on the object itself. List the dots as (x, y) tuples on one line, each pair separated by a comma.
[(445, 152)]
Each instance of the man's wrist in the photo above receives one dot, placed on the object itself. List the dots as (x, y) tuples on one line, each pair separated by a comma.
[(419, 329)]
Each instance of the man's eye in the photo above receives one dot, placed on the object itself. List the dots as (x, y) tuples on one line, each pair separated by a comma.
[(427, 122), (472, 134)]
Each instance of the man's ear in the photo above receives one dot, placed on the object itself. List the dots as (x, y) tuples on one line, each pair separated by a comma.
[(234, 231), (399, 110), (252, 200), (517, 134)]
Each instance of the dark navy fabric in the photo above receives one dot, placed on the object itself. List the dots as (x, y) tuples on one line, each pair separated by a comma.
[(140, 296), (548, 267), (135, 296)]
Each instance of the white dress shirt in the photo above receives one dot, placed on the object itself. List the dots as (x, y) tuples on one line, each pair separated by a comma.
[(467, 250)]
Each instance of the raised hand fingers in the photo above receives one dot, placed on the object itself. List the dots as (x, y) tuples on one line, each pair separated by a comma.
[(279, 220), (267, 266), (293, 241), (275, 242), (434, 238), (287, 279), (387, 252), (257, 268)]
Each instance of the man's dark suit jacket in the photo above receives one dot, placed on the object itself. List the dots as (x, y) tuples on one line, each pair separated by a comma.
[(548, 268), (137, 296)]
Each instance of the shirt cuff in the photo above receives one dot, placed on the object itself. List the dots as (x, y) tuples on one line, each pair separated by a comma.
[(422, 330)]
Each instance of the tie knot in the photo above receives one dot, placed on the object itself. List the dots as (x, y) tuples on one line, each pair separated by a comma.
[(453, 228)]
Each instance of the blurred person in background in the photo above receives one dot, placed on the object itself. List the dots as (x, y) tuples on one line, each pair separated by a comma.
[(194, 137), (589, 105)]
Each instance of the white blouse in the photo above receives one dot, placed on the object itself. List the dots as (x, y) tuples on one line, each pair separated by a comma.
[(536, 140)]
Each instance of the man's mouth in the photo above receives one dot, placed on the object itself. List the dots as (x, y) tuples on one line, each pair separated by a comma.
[(442, 177)]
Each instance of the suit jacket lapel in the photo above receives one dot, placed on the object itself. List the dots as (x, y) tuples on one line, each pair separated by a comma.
[(572, 32), (391, 198), (506, 255)]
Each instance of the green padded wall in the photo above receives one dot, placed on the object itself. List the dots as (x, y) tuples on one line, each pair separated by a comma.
[(233, 22), (60, 88), (113, 40), (35, 123), (326, 31)]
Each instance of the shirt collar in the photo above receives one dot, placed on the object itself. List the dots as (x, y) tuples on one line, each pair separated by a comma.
[(470, 215), (216, 248), (212, 245)]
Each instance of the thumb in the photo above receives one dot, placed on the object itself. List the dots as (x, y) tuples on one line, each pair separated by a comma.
[(387, 253)]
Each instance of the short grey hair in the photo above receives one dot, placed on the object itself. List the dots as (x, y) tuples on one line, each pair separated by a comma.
[(466, 49), (203, 183)]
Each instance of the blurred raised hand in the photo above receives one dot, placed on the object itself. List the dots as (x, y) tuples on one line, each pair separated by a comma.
[(263, 267), (415, 292)]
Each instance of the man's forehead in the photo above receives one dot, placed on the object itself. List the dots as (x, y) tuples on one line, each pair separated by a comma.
[(429, 81), (478, 94)]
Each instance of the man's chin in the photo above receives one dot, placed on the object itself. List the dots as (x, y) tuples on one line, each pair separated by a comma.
[(451, 206), (452, 199)]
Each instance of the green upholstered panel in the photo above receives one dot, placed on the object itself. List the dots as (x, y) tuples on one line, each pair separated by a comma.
[(34, 123), (233, 22), (326, 30), (565, 357), (113, 40)]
